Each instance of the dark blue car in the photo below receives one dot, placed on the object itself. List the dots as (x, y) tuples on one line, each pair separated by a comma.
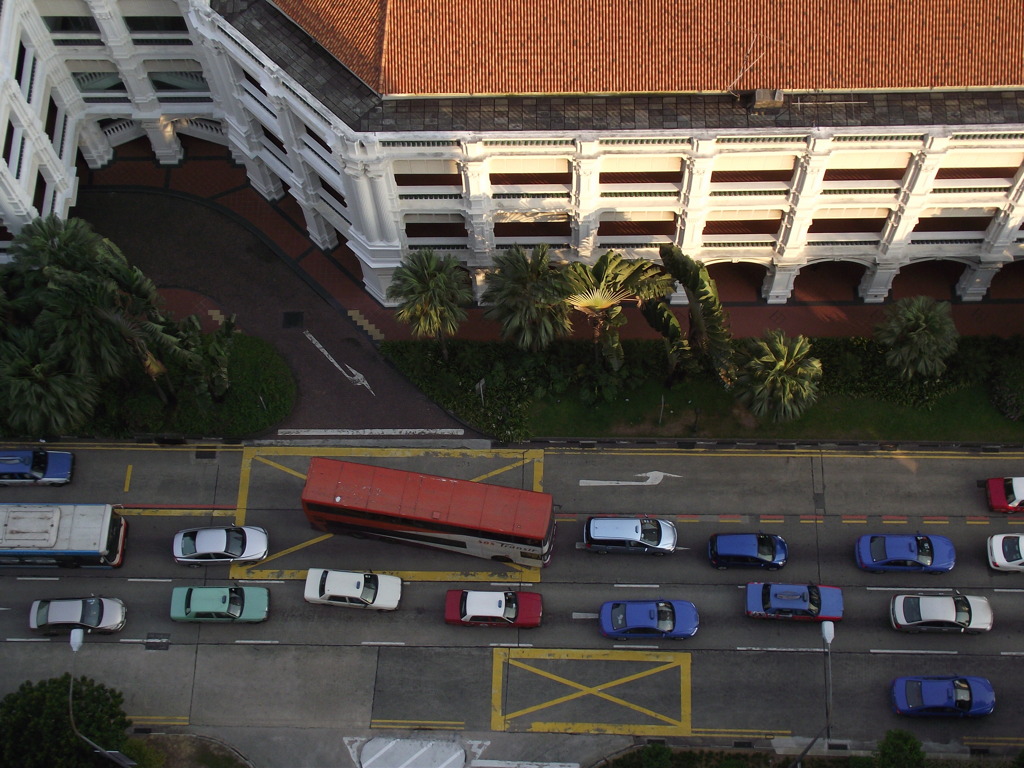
[(637, 619), (943, 696), (799, 602), (911, 553), (37, 467), (747, 550)]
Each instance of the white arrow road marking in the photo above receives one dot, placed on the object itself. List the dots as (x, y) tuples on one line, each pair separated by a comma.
[(653, 478), (354, 376)]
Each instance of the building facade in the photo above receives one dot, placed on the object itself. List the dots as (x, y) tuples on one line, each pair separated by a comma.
[(753, 164)]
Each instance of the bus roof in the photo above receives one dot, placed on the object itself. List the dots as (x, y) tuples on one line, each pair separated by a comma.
[(428, 497), (78, 527)]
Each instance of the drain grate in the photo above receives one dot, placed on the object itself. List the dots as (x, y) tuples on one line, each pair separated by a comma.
[(156, 641), (205, 455), (292, 320)]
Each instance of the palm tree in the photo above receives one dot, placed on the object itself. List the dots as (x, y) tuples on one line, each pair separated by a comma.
[(599, 291), (920, 336), (777, 377), (433, 291), (709, 333), (526, 294), (42, 396)]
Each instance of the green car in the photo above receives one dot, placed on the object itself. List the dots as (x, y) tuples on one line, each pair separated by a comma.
[(247, 604)]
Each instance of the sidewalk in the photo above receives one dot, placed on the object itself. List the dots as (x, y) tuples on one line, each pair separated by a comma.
[(216, 248)]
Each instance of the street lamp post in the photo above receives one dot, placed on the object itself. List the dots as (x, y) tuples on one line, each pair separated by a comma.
[(828, 633), (77, 638)]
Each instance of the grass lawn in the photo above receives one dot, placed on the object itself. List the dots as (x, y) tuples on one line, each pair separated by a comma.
[(704, 410)]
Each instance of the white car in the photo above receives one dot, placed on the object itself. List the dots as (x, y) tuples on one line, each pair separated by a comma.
[(1006, 551), (93, 614), (199, 546), (351, 589), (940, 613)]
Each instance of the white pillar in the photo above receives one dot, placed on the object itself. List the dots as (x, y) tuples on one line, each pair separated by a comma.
[(877, 282), (975, 281), (696, 197), (778, 283)]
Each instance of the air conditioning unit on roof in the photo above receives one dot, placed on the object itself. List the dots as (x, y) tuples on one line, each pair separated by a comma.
[(766, 98)]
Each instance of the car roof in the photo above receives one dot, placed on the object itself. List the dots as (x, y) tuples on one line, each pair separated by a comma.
[(615, 527), (211, 539), (641, 613), (344, 583), (742, 544), (15, 461), (789, 596), (208, 599), (936, 607), (485, 603), (65, 611)]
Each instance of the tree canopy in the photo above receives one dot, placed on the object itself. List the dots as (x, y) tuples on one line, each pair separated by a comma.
[(78, 318), (36, 729)]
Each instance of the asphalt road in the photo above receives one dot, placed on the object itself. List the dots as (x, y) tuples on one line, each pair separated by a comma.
[(347, 674)]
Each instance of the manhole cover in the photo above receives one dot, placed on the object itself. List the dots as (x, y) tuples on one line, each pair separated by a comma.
[(292, 320)]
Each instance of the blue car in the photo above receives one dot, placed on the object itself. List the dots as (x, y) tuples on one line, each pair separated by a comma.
[(747, 550), (639, 619), (943, 696), (910, 553), (800, 602), (36, 467)]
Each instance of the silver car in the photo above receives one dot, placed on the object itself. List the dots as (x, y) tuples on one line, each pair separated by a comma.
[(940, 613), (202, 546), (93, 614)]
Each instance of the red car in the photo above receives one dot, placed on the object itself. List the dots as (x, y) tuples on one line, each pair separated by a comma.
[(493, 609), (1005, 494)]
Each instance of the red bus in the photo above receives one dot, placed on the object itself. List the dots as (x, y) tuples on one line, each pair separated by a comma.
[(490, 521)]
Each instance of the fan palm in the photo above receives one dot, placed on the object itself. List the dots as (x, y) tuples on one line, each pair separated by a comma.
[(920, 335), (432, 291), (42, 396), (600, 290), (526, 293), (777, 378)]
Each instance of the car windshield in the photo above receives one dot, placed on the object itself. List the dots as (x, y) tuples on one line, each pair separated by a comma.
[(236, 601), (650, 532), (962, 694), (963, 610), (666, 617), (38, 463), (813, 600), (511, 605), (619, 615), (235, 542), (878, 548), (1011, 549), (92, 611), (1011, 500), (913, 693), (188, 543), (924, 550), (369, 587), (912, 609), (765, 547)]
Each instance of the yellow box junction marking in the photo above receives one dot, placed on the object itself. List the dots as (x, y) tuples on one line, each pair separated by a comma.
[(668, 663)]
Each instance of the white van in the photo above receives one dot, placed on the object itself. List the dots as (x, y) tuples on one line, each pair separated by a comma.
[(639, 535)]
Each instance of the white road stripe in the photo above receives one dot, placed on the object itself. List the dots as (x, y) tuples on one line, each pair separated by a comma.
[(257, 642), (1011, 653), (264, 581), (638, 586), (577, 615), (639, 647), (511, 645), (1007, 590), (28, 639), (782, 650), (131, 640), (38, 578), (159, 581), (511, 584), (909, 589), (933, 653), (379, 642)]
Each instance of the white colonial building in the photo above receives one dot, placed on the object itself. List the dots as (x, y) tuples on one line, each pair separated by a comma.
[(778, 132)]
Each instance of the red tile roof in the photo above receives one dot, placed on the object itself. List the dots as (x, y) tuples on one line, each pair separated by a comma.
[(433, 47)]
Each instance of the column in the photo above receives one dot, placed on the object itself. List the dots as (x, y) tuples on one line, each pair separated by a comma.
[(94, 145), (584, 235), (477, 206), (877, 282), (912, 199), (317, 227), (369, 227), (778, 282), (164, 140), (696, 200), (975, 281), (806, 189)]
